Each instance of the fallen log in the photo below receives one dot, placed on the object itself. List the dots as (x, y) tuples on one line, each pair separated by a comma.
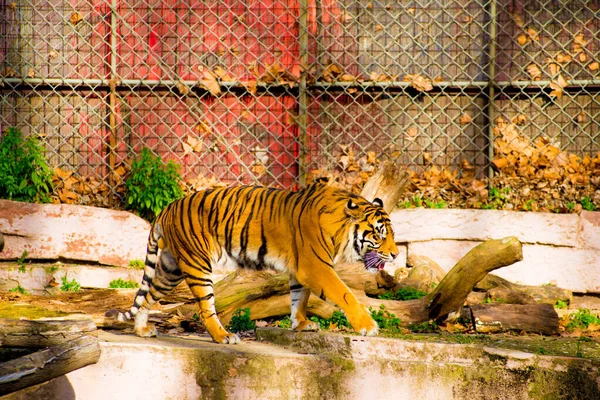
[(499, 317), (498, 288), (47, 364), (43, 333), (447, 297)]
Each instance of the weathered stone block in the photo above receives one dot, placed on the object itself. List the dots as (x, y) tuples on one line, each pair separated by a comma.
[(70, 232)]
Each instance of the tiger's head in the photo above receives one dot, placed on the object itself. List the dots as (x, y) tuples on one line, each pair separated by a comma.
[(372, 235)]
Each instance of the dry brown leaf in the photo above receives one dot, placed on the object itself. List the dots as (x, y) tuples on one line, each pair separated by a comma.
[(332, 72), (346, 78), (519, 119), (345, 17), (578, 43), (203, 127), (210, 82), (378, 28), (594, 66), (522, 39), (52, 54), (75, 18), (67, 196), (500, 163), (183, 88), (465, 119), (411, 133), (222, 74), (251, 86), (419, 82), (533, 34), (518, 20), (557, 86), (554, 69), (9, 72), (534, 71), (258, 168), (31, 73), (427, 158), (563, 58), (582, 57), (191, 145)]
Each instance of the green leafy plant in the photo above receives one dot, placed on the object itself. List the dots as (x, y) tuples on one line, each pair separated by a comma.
[(25, 173), (385, 319), (152, 185), (122, 284), (18, 289), (582, 319), (497, 198), (406, 293), (587, 204), (284, 323), (337, 317), (69, 286), (136, 264), (241, 321), (21, 261), (561, 304)]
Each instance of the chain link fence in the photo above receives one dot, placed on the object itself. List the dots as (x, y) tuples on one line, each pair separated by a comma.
[(271, 92)]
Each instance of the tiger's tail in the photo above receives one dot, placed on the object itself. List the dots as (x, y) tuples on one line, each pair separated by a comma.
[(149, 273)]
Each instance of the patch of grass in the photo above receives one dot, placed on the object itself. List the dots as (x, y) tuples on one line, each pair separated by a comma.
[(122, 284), (425, 327), (241, 321), (21, 262), (69, 286), (386, 320), (435, 204), (582, 319), (137, 264), (407, 293), (18, 289)]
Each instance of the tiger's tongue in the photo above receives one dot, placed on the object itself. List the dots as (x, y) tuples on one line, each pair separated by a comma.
[(373, 261)]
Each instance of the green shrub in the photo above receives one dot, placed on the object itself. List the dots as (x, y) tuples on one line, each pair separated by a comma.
[(425, 327), (152, 185), (69, 286), (241, 321), (21, 261), (122, 284), (25, 174)]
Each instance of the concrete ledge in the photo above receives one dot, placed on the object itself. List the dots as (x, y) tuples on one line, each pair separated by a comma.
[(289, 365)]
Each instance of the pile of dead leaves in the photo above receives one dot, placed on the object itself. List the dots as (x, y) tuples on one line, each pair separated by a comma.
[(530, 175)]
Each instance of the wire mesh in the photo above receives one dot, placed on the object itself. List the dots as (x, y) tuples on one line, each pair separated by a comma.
[(271, 92)]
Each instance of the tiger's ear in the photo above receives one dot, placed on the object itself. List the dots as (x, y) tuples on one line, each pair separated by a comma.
[(377, 202), (352, 209)]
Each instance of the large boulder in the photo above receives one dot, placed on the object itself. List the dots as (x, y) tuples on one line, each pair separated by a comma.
[(72, 233)]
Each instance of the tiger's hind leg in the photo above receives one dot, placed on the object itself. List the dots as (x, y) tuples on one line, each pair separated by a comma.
[(166, 276), (200, 283), (299, 300)]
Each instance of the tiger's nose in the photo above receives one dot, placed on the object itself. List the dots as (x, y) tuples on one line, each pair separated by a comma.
[(394, 255)]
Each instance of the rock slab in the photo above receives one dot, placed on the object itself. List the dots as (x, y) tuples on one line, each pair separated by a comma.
[(71, 232)]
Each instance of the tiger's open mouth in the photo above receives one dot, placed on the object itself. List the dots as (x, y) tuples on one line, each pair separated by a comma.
[(373, 262)]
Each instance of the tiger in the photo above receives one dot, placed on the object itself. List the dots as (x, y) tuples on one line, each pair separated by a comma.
[(304, 232)]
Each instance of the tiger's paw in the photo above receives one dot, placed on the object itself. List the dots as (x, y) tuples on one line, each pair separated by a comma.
[(227, 338), (146, 331), (307, 326), (365, 325)]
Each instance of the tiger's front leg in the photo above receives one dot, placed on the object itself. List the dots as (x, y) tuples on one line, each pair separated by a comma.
[(299, 300), (201, 287), (322, 280)]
